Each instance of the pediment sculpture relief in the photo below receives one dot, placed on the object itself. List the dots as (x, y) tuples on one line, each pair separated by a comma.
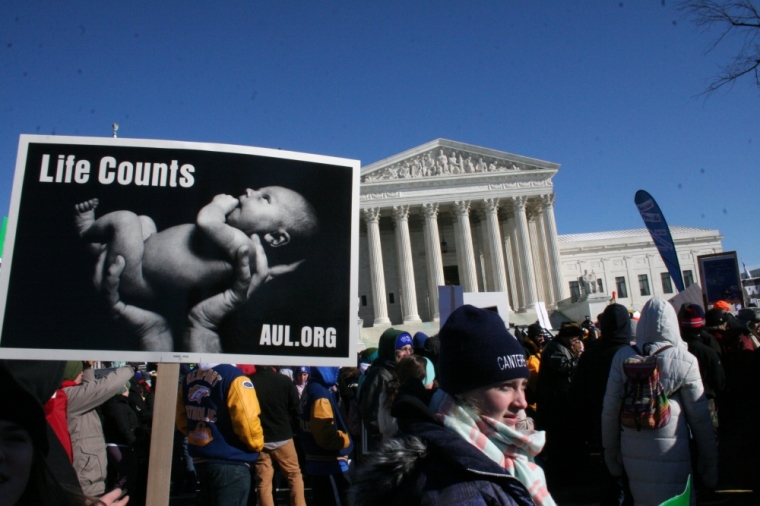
[(444, 162)]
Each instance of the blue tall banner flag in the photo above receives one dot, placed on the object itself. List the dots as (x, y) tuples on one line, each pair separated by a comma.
[(658, 229)]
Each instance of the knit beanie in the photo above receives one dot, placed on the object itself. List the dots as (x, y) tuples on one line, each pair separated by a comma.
[(691, 316), (404, 339), (23, 409), (419, 339), (477, 350), (73, 368), (715, 317), (535, 330)]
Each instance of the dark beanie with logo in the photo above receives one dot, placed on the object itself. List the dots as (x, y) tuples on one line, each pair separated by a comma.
[(477, 350)]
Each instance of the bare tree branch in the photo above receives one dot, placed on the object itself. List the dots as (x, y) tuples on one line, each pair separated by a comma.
[(738, 19)]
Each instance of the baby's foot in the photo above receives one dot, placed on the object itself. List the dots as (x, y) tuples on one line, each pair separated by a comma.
[(85, 215)]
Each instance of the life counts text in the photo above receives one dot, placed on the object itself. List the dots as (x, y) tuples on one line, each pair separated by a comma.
[(124, 172)]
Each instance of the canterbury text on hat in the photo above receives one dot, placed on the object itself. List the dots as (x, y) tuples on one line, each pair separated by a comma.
[(511, 361)]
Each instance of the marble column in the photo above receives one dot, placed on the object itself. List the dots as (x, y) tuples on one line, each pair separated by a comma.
[(543, 253), (376, 273), (499, 273), (515, 252), (523, 247), (433, 254), (553, 248), (483, 252), (535, 249), (468, 274), (511, 261), (406, 268)]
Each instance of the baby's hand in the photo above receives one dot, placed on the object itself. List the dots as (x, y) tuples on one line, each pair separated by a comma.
[(225, 203)]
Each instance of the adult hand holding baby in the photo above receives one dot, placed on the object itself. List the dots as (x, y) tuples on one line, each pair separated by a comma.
[(151, 328), (204, 319)]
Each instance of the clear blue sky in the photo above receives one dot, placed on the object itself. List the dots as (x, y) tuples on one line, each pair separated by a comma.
[(607, 89)]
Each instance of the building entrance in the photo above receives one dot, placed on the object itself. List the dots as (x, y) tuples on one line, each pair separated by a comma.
[(451, 275)]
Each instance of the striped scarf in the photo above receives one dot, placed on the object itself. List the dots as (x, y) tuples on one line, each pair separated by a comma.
[(511, 449)]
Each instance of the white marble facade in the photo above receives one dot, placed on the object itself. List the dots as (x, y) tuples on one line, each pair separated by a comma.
[(630, 257), (493, 211)]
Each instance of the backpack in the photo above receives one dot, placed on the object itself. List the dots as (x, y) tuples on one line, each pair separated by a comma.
[(645, 402)]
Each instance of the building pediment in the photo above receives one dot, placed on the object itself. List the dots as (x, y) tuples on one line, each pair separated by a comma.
[(444, 158), (444, 169)]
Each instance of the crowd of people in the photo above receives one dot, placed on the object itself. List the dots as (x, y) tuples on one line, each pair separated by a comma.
[(474, 415)]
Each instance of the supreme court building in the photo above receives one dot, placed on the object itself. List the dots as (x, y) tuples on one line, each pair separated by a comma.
[(447, 212)]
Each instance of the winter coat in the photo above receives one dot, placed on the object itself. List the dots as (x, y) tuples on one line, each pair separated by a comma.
[(278, 399), (323, 432), (376, 380), (385, 421), (87, 441), (218, 411), (710, 366), (429, 464), (657, 461), (590, 381), (120, 422), (143, 411), (558, 365)]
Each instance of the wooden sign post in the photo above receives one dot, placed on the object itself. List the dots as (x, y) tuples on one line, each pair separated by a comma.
[(162, 437)]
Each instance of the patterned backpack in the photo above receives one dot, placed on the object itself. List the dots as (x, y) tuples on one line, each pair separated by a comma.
[(645, 402)]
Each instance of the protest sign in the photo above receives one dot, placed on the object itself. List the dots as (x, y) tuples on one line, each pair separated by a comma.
[(751, 290), (719, 273), (168, 223)]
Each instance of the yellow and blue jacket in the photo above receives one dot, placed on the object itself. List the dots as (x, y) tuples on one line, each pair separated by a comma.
[(218, 411), (325, 437)]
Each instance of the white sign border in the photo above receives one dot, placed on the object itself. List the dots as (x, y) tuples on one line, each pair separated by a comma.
[(179, 357)]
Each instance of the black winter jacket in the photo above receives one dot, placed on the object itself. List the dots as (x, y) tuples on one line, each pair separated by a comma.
[(558, 365), (710, 366), (278, 399), (376, 380), (119, 421), (590, 381)]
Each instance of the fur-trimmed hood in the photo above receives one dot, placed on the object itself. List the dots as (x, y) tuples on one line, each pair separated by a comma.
[(382, 475)]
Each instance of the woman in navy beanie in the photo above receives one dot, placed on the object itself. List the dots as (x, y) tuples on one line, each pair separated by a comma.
[(462, 443)]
